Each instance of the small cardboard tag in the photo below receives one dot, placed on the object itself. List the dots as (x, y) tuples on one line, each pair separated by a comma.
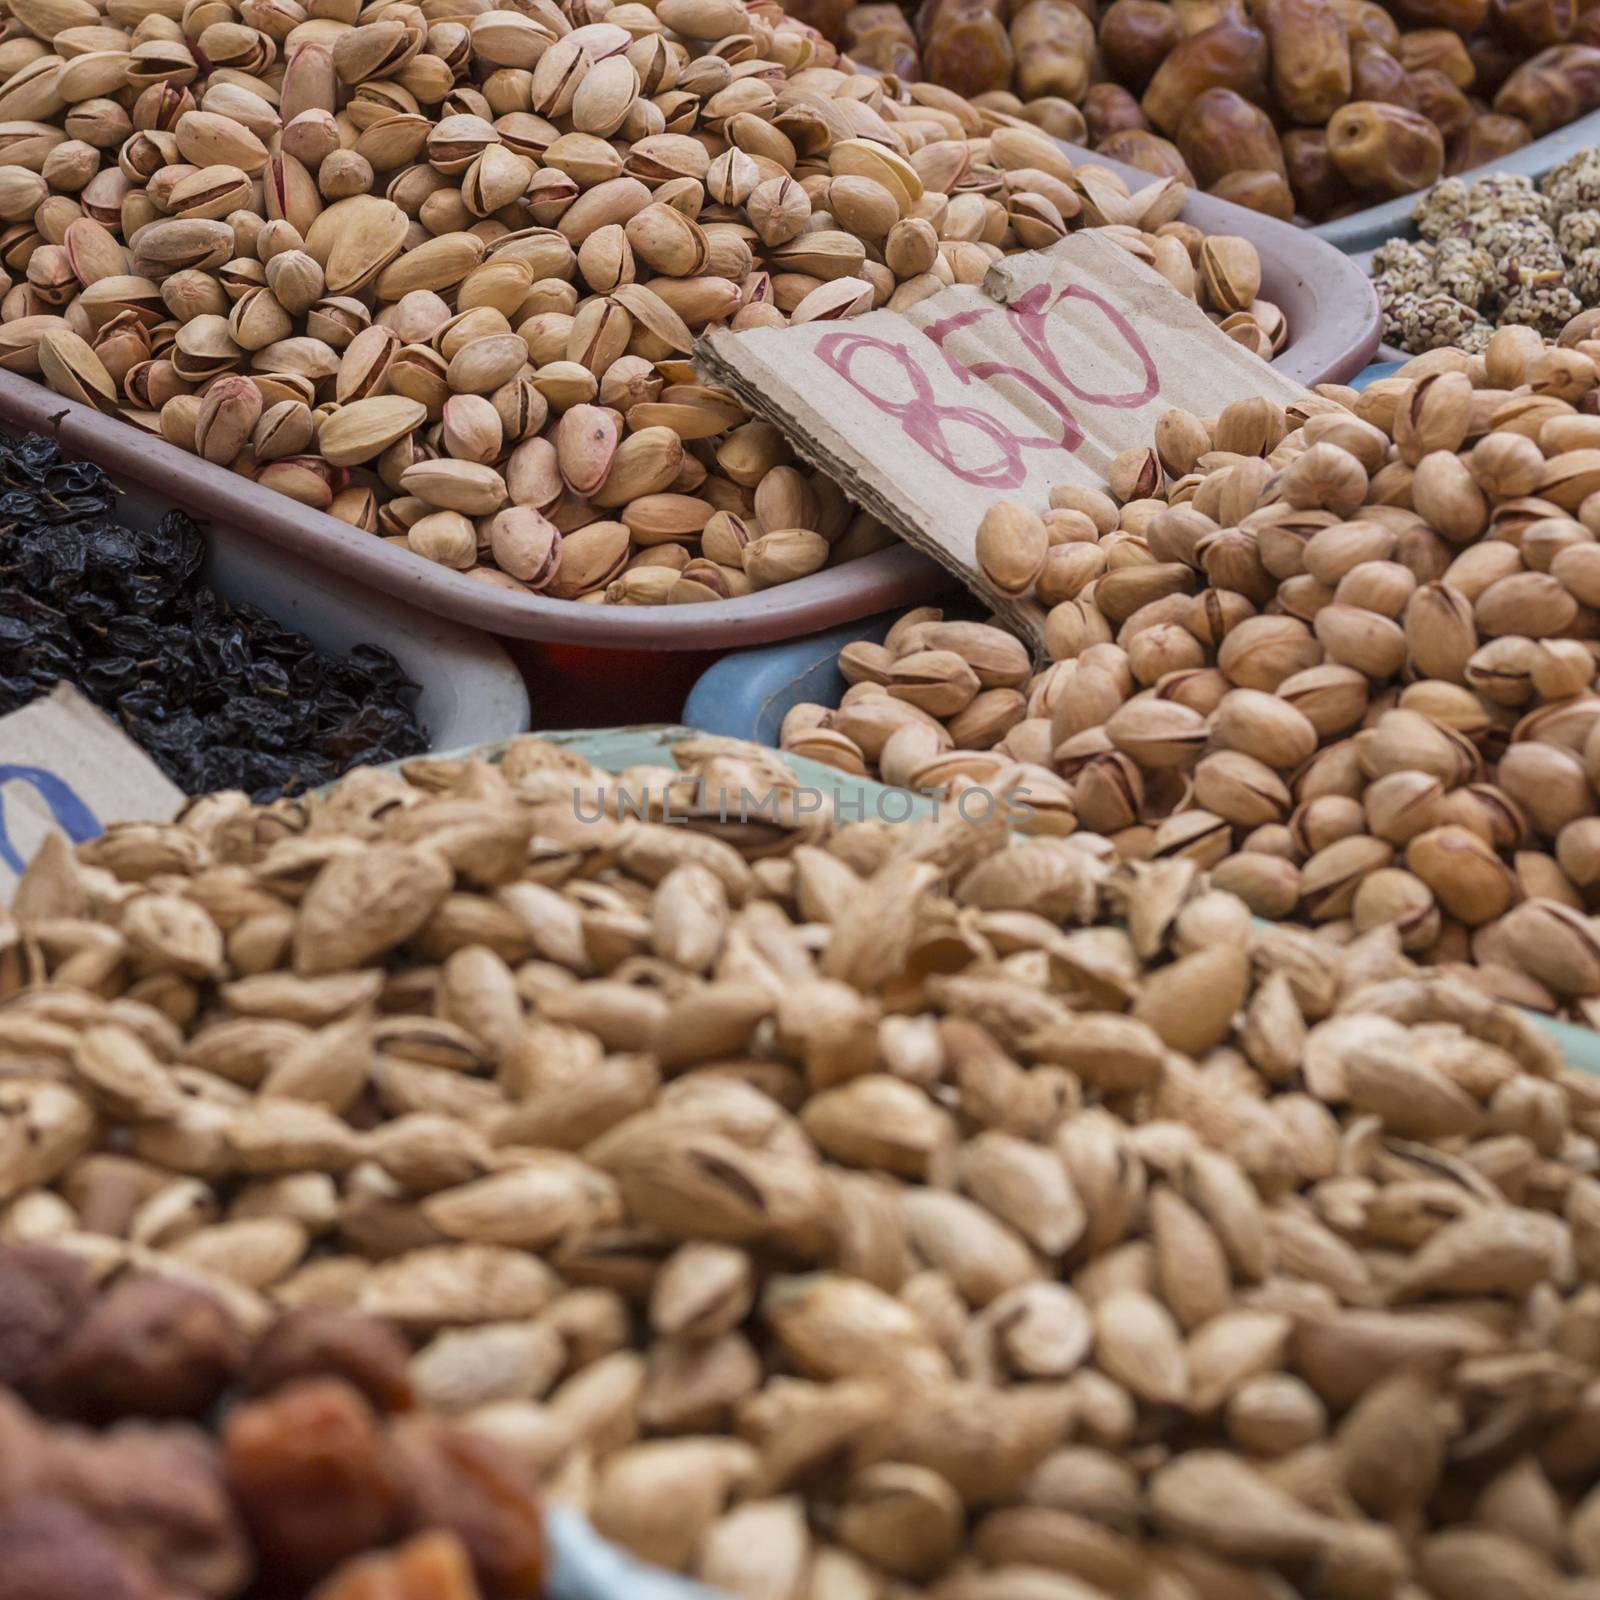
[(67, 768), (1061, 360)]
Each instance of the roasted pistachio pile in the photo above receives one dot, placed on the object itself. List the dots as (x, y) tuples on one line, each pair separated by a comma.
[(1343, 657), (1496, 251), (442, 277), (1315, 107), (835, 1213), (155, 1451)]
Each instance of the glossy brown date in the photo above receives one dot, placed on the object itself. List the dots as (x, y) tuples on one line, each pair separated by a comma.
[(1311, 73), (1378, 76), (1136, 36), (1385, 150), (1440, 49), (1231, 54), (1366, 22), (1534, 24), (1315, 180), (965, 46), (1222, 132), (1488, 137), (1052, 42), (1264, 191), (1441, 102), (1554, 87), (1147, 151), (1108, 108)]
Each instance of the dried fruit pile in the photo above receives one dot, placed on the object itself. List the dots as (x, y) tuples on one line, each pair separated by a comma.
[(1495, 251), (221, 696), (1344, 658), (442, 278), (124, 1480), (836, 1214), (1315, 107)]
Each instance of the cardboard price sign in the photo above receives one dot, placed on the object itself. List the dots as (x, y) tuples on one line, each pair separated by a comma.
[(67, 769), (1061, 360)]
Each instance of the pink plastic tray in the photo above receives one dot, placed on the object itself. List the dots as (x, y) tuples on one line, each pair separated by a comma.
[(1333, 330)]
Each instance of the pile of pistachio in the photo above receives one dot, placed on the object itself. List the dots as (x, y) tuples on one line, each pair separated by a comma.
[(1343, 657), (841, 1213), (441, 277)]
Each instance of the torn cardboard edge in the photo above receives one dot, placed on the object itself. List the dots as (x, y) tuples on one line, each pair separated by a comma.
[(1061, 360), (68, 771)]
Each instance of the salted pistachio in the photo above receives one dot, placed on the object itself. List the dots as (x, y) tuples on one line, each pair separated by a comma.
[(1158, 733), (447, 537), (227, 418), (591, 557), (1230, 272), (784, 554), (1469, 880), (1555, 944), (1011, 543), (73, 370), (466, 486), (363, 429)]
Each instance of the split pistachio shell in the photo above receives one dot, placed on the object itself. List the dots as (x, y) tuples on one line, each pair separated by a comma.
[(1361, 712), (541, 212)]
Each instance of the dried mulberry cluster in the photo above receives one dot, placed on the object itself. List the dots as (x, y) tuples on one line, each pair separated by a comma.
[(1496, 251), (842, 1213), (153, 1451)]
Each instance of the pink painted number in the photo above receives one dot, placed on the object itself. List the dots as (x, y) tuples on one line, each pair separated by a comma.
[(925, 421)]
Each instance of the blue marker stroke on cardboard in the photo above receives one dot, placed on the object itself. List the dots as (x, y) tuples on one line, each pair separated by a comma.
[(67, 807), (67, 769)]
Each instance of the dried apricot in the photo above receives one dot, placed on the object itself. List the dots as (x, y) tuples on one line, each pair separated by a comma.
[(311, 1474), (432, 1566), (454, 1479)]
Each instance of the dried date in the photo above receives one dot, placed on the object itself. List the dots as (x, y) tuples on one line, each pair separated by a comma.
[(50, 1550), (322, 1341), (151, 1347), (158, 1488)]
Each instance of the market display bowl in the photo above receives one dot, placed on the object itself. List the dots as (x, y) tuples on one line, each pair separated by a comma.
[(469, 689), (1332, 317), (1363, 231)]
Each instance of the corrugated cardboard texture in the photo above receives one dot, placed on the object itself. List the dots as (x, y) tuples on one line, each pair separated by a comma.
[(67, 768), (1061, 360)]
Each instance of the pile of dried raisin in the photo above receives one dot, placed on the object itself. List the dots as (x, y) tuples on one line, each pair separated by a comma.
[(221, 695)]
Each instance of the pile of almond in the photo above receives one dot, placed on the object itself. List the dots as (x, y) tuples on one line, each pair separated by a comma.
[(840, 1213)]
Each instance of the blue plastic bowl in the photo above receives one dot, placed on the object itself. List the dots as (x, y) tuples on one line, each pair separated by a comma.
[(1378, 369), (746, 695)]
